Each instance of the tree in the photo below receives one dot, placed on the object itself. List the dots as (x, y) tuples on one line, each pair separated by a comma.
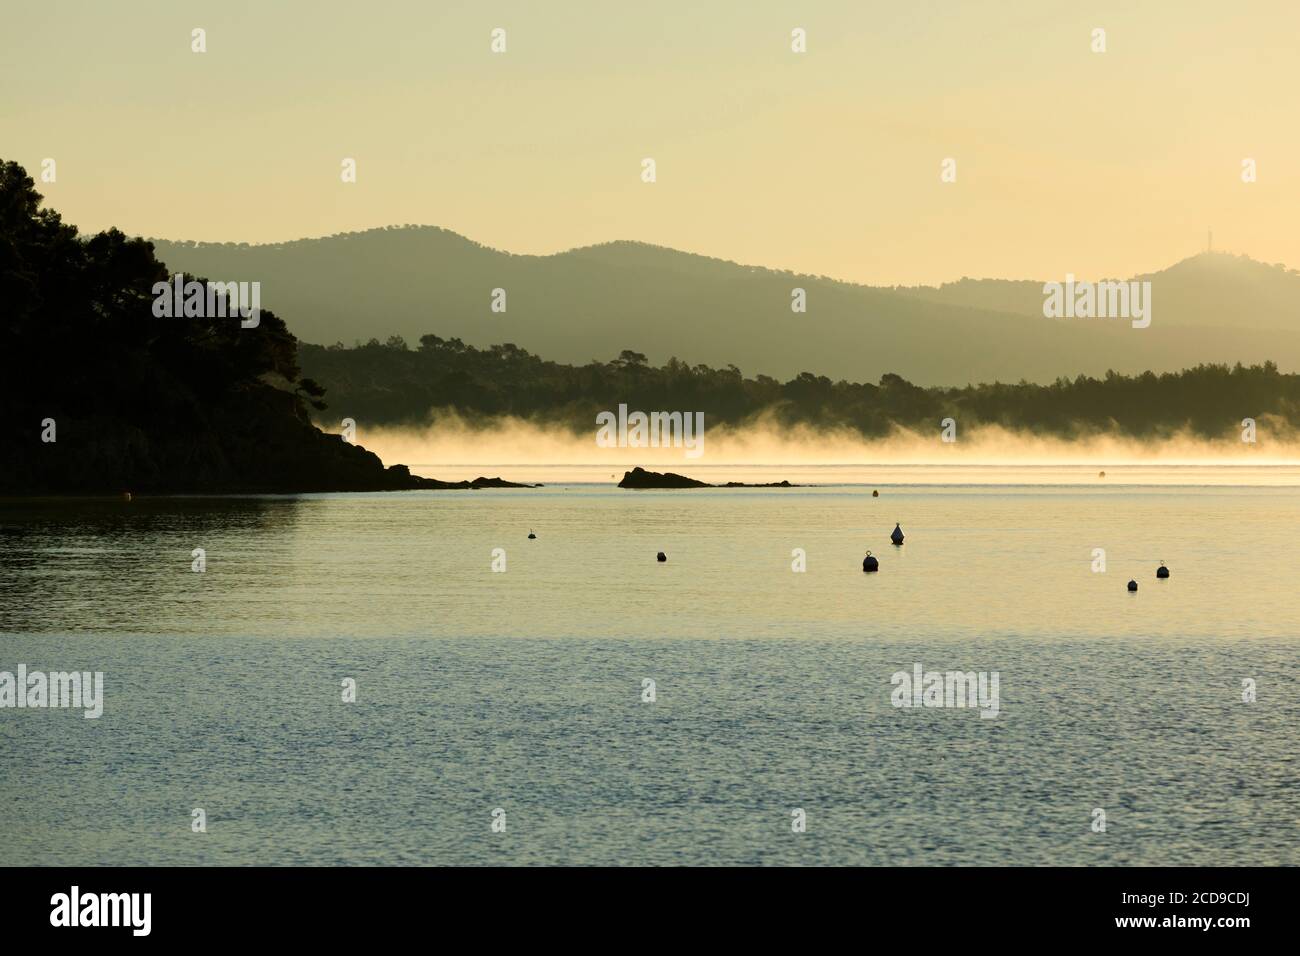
[(313, 391), (628, 359)]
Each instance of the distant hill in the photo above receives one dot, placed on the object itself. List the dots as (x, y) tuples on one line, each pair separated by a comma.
[(594, 302), (1213, 289)]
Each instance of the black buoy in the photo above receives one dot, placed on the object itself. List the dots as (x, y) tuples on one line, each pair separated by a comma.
[(869, 563), (1132, 585), (531, 535), (875, 494), (662, 556), (1162, 571), (897, 535)]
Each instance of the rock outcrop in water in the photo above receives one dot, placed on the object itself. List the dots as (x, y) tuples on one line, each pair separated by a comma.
[(104, 396), (483, 483), (640, 478)]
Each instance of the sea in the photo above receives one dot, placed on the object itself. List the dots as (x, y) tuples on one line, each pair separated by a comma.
[(409, 678)]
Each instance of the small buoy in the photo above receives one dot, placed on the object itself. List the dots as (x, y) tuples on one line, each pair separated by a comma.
[(662, 556), (870, 564), (896, 535), (126, 496), (875, 494), (1132, 585), (1101, 474), (531, 536), (1162, 571)]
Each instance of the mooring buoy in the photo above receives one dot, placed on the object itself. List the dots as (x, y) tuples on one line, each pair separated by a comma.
[(896, 535), (1162, 571), (662, 557), (1132, 585), (870, 563)]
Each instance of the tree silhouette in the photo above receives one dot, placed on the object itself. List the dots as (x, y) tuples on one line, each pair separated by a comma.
[(143, 401), (401, 386)]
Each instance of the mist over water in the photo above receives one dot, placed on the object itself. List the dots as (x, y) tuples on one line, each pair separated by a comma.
[(452, 448)]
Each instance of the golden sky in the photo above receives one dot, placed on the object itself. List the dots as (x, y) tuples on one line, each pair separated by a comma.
[(825, 162)]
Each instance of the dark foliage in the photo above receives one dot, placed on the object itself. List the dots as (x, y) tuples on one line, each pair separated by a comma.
[(138, 402), (391, 383)]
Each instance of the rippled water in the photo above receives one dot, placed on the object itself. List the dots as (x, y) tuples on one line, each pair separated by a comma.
[(522, 690)]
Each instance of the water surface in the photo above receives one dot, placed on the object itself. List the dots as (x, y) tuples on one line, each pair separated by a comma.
[(522, 690)]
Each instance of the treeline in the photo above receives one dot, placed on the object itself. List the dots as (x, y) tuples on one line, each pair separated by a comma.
[(392, 383), (103, 396)]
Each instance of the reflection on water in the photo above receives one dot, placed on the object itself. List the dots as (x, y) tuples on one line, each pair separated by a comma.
[(979, 561), (522, 689), (107, 564)]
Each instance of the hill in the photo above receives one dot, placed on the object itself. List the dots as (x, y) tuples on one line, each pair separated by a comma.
[(101, 396), (597, 301)]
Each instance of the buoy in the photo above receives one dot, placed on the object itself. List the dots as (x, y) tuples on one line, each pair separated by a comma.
[(126, 496), (1132, 585), (897, 535), (875, 494), (531, 535), (870, 564), (662, 556), (1101, 474), (1162, 571)]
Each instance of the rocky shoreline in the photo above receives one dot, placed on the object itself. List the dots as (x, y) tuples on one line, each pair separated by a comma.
[(258, 440)]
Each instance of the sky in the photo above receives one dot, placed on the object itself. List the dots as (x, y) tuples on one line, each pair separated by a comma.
[(825, 162)]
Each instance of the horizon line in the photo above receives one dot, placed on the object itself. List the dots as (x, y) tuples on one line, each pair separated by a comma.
[(413, 227)]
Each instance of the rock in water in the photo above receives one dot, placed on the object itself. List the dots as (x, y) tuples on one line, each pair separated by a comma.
[(897, 535), (640, 478), (870, 563)]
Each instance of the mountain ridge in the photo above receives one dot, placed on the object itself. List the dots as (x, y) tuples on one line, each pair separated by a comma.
[(597, 300)]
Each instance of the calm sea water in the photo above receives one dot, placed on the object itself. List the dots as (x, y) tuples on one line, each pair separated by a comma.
[(522, 690)]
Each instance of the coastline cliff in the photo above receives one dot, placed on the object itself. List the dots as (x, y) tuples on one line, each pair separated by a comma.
[(103, 395)]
